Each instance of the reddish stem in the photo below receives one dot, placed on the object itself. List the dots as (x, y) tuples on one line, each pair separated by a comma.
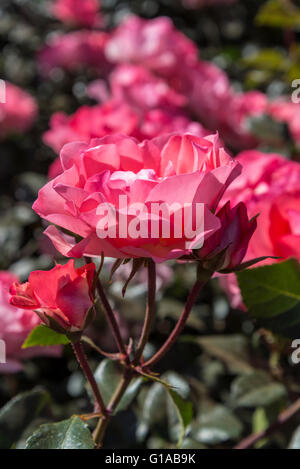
[(283, 418), (179, 326), (83, 362), (110, 316), (150, 311)]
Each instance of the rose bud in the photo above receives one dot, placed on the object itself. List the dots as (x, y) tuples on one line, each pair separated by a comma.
[(61, 297), (226, 249)]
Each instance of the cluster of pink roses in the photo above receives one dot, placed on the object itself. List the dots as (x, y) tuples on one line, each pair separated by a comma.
[(160, 65), (178, 169), (84, 13)]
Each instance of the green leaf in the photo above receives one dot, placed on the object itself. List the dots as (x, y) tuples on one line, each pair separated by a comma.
[(216, 425), (68, 434), (279, 14), (266, 59), (184, 410), (167, 398), (256, 390), (18, 413), (271, 290), (42, 336), (108, 376), (229, 349)]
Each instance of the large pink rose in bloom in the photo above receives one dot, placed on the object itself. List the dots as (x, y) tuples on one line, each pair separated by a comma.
[(269, 186), (182, 169), (156, 44), (18, 113), (15, 325), (84, 13), (61, 296), (74, 50)]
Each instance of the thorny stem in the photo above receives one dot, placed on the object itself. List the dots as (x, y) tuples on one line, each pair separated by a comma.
[(83, 362), (110, 316), (283, 418), (129, 367), (100, 430), (150, 312), (179, 326)]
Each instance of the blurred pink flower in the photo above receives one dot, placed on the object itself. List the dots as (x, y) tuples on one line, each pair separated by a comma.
[(156, 44), (115, 117), (84, 13), (288, 112), (74, 50), (140, 88), (218, 107), (269, 186), (15, 326), (18, 113)]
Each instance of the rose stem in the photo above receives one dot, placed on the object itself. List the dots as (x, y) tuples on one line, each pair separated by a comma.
[(83, 362), (110, 316), (100, 430), (283, 418), (150, 311), (179, 326)]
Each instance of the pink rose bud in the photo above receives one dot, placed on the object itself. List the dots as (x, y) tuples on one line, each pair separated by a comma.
[(226, 249), (15, 326), (62, 297)]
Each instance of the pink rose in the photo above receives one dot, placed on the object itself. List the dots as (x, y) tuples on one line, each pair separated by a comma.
[(140, 88), (84, 13), (115, 117), (61, 297), (18, 113), (181, 169), (269, 186), (91, 122), (74, 50), (156, 44), (288, 112), (15, 325), (218, 107)]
